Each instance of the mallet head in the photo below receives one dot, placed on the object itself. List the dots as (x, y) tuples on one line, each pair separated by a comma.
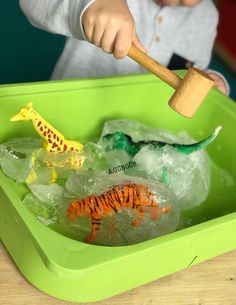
[(190, 92)]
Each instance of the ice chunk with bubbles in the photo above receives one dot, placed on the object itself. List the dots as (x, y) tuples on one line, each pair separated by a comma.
[(50, 194), (117, 229), (24, 160), (138, 131), (188, 175), (16, 157), (81, 184), (44, 202)]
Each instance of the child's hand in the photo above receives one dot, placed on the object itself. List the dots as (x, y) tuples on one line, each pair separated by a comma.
[(219, 82), (109, 25)]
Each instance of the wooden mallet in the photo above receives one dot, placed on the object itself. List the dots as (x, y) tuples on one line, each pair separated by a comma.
[(189, 91)]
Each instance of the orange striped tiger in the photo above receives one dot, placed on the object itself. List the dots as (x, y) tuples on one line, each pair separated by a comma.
[(130, 196)]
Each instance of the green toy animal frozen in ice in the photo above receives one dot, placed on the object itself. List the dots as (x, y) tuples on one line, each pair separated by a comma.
[(121, 141)]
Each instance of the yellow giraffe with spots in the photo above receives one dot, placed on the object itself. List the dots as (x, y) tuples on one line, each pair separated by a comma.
[(53, 141)]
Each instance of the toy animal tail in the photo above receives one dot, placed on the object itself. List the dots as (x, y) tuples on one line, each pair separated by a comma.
[(166, 210), (188, 149)]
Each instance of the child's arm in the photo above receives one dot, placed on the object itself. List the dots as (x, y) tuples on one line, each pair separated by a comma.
[(203, 37), (56, 16), (106, 23)]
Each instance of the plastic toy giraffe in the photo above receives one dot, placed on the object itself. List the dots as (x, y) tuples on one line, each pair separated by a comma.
[(53, 140)]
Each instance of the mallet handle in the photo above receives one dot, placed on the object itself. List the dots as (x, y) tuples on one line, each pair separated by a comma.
[(153, 66)]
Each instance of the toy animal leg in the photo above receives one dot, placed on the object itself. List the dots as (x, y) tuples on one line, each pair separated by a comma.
[(139, 213), (53, 175), (95, 227), (32, 175), (155, 211), (71, 212)]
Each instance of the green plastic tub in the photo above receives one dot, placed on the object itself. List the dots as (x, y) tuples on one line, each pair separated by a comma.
[(72, 270)]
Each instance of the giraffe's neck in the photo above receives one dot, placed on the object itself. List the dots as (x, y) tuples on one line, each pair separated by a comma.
[(54, 140)]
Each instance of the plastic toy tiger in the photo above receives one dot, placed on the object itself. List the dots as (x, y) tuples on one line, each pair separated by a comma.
[(130, 196)]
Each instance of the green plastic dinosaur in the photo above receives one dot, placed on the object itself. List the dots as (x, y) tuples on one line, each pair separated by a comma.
[(122, 141)]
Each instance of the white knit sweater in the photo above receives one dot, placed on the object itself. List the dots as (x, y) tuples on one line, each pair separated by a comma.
[(188, 32)]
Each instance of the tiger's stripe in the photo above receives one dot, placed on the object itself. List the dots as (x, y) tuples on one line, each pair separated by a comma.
[(116, 199)]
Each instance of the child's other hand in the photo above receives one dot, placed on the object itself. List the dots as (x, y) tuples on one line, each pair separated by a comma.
[(219, 82), (109, 25)]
